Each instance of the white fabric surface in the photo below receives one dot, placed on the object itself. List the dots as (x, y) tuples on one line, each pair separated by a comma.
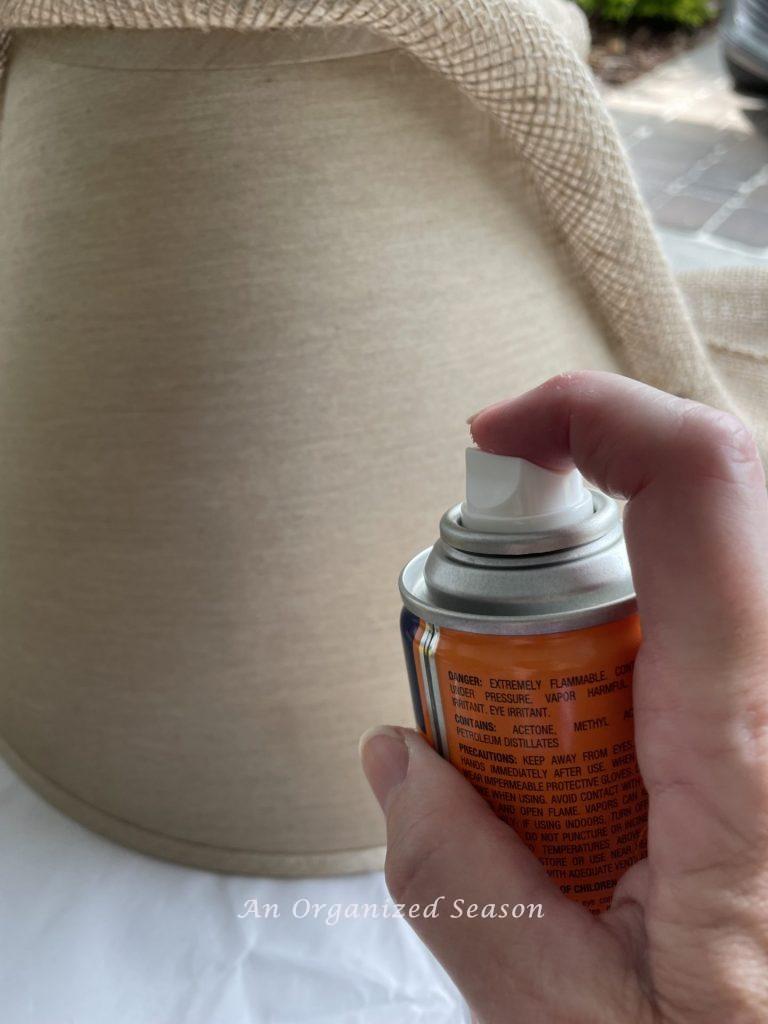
[(92, 933)]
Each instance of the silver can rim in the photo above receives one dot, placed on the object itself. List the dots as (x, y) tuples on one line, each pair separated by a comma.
[(498, 625)]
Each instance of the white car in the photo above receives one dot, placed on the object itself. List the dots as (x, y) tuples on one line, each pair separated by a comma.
[(744, 31)]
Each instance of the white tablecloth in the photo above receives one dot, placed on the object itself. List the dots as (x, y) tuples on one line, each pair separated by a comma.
[(91, 933)]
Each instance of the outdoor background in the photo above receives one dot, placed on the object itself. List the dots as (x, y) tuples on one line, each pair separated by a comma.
[(698, 147)]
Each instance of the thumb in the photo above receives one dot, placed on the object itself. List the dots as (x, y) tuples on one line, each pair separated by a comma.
[(496, 922)]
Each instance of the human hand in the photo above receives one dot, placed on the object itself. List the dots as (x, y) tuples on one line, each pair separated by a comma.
[(686, 938)]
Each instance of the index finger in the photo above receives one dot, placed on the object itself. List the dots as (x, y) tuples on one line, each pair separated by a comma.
[(697, 520)]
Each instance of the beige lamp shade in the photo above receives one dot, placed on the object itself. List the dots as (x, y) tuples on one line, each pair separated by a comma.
[(251, 285)]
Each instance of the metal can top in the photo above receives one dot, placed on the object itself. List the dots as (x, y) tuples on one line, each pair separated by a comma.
[(523, 583)]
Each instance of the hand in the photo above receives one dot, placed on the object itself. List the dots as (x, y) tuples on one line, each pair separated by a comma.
[(686, 938)]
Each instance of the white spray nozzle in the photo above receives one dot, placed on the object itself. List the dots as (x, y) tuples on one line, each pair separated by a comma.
[(511, 495)]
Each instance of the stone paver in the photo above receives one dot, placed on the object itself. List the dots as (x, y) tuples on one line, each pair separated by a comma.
[(758, 198), (699, 151), (686, 212), (750, 227)]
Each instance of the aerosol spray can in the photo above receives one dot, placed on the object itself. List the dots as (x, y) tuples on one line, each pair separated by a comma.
[(520, 631)]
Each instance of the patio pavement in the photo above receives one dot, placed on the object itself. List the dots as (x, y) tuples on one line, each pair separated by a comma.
[(700, 153)]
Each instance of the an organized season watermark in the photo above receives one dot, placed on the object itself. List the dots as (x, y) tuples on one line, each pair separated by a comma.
[(304, 909)]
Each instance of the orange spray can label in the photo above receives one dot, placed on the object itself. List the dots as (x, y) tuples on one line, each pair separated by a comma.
[(542, 726)]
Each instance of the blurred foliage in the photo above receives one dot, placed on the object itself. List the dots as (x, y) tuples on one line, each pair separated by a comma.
[(693, 13)]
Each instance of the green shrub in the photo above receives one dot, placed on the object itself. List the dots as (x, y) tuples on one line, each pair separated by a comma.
[(685, 12)]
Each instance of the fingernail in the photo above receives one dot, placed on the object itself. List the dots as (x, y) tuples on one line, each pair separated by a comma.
[(384, 756), (473, 416)]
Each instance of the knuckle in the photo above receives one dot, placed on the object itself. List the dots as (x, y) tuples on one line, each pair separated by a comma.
[(716, 440)]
